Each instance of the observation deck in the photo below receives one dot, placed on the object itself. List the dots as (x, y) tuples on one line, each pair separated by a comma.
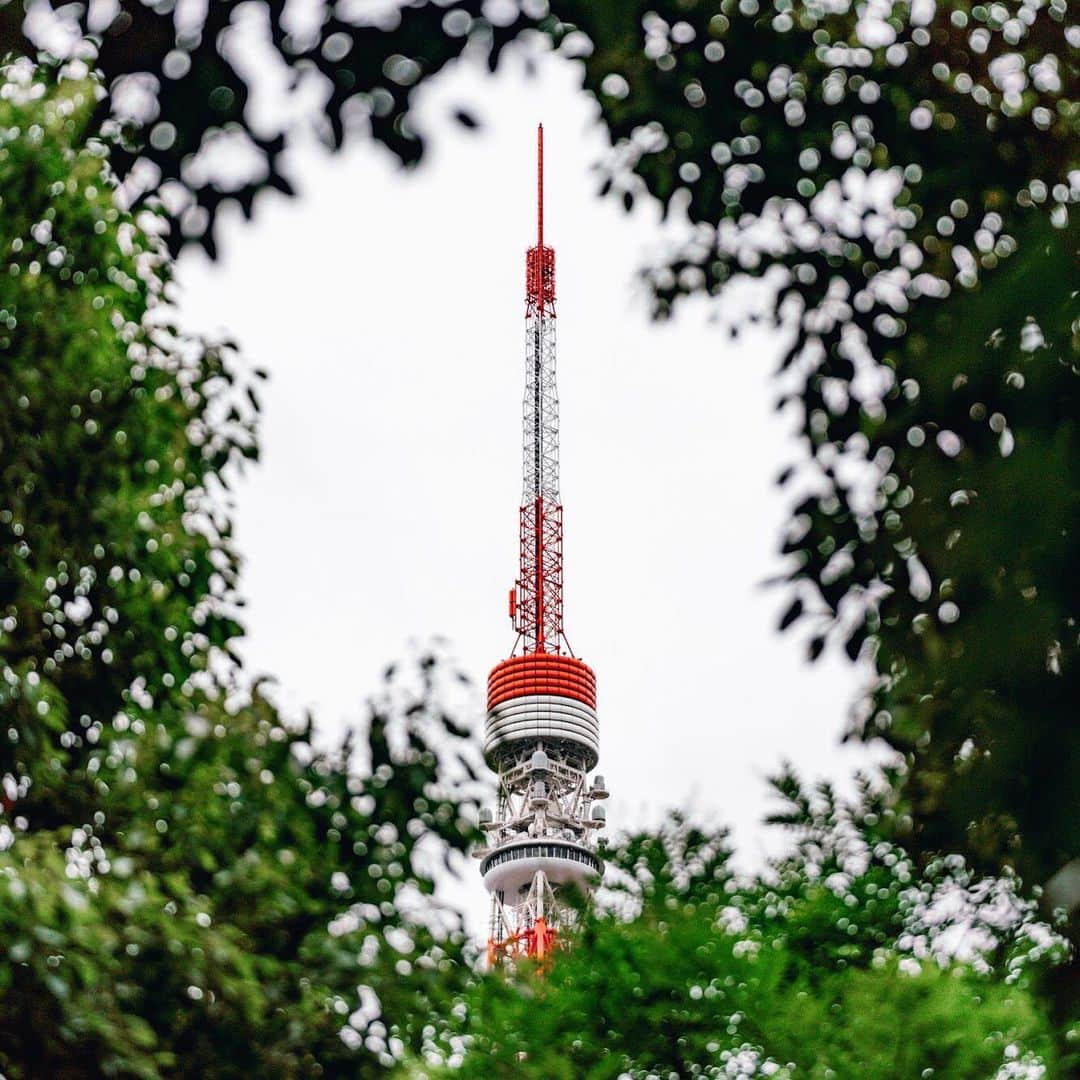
[(511, 869)]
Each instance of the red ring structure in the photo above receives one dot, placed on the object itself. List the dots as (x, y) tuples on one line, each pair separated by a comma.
[(541, 697), (542, 673)]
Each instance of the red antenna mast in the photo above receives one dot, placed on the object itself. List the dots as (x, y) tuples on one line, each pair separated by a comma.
[(542, 736), (536, 604)]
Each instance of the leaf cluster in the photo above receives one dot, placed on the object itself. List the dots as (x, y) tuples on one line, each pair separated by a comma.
[(188, 885), (841, 959), (903, 181)]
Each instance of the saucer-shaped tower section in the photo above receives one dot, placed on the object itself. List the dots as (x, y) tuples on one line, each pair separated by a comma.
[(542, 737), (542, 697)]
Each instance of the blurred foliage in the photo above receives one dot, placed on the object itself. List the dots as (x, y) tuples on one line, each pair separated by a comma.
[(841, 960), (901, 175), (188, 887)]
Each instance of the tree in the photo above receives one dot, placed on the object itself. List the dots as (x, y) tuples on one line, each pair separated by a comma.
[(188, 886), (841, 960), (902, 178)]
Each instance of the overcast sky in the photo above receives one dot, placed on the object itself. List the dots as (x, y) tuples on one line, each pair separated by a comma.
[(388, 308)]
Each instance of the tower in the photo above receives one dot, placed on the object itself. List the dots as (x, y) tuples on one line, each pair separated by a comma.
[(542, 735)]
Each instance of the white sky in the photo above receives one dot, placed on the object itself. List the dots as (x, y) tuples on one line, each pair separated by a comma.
[(388, 308)]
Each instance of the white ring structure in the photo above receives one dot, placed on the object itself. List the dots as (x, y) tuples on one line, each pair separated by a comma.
[(543, 717), (511, 869)]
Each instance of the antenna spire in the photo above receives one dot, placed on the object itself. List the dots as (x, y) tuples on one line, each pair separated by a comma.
[(540, 187), (537, 604)]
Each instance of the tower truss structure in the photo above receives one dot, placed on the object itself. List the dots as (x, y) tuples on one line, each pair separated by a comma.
[(542, 737)]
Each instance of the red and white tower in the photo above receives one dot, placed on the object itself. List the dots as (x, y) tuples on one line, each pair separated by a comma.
[(542, 735)]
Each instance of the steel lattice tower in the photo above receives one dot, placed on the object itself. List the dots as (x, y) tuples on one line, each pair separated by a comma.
[(542, 734)]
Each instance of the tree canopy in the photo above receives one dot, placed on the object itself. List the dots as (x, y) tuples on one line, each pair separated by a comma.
[(188, 885), (902, 178), (842, 959)]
